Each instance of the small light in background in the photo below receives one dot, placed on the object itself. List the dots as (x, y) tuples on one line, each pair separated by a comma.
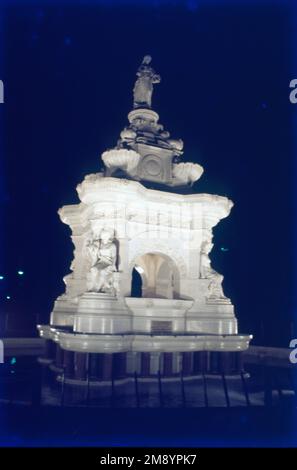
[(13, 361), (223, 248), (1, 278), (21, 273), (8, 297)]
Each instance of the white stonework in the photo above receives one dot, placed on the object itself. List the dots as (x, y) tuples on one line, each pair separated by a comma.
[(144, 343), (187, 172), (124, 159), (120, 225)]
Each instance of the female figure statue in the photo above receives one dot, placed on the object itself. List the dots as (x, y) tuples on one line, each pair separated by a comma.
[(207, 272), (143, 88), (103, 253)]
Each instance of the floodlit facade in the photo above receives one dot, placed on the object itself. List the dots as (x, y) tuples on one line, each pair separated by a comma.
[(139, 229)]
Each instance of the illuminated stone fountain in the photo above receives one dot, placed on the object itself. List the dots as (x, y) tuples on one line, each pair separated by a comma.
[(134, 220)]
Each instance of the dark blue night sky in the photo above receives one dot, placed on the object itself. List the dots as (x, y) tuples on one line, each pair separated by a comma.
[(69, 71)]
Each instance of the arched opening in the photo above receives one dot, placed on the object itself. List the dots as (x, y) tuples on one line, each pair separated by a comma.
[(155, 275), (136, 286)]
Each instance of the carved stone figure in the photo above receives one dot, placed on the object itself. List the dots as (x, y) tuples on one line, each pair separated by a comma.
[(205, 267), (215, 286), (143, 88), (207, 272), (102, 253)]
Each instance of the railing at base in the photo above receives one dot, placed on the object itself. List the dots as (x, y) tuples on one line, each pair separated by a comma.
[(266, 386)]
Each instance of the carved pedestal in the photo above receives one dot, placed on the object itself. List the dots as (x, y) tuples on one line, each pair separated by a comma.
[(101, 313)]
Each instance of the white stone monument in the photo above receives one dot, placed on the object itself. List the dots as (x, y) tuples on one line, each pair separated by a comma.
[(134, 216)]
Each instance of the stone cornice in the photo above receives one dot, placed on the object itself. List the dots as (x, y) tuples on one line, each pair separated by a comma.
[(75, 214), (96, 188), (141, 343)]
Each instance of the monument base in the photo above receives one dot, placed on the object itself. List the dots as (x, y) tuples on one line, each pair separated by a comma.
[(123, 355), (64, 311), (102, 314)]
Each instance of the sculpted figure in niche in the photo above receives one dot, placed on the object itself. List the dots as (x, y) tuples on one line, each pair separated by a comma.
[(102, 252), (143, 88), (207, 272)]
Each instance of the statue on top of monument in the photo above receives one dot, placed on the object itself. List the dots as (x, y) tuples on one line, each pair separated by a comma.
[(102, 252), (143, 88)]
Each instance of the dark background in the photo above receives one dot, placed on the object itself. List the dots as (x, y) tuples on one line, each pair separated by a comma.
[(69, 70)]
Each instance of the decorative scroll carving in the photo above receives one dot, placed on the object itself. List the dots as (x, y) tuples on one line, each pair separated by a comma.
[(121, 158), (187, 172)]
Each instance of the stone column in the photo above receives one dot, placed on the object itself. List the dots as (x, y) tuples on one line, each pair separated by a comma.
[(176, 362), (93, 366), (214, 364), (200, 362), (119, 365), (126, 279), (145, 364), (107, 366), (59, 357), (99, 366), (187, 363), (131, 358), (167, 364), (155, 365), (80, 361), (68, 363)]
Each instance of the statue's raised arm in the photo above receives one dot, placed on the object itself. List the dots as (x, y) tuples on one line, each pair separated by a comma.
[(143, 88)]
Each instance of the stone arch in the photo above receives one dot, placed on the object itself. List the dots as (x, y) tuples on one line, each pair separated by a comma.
[(159, 247), (159, 274)]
